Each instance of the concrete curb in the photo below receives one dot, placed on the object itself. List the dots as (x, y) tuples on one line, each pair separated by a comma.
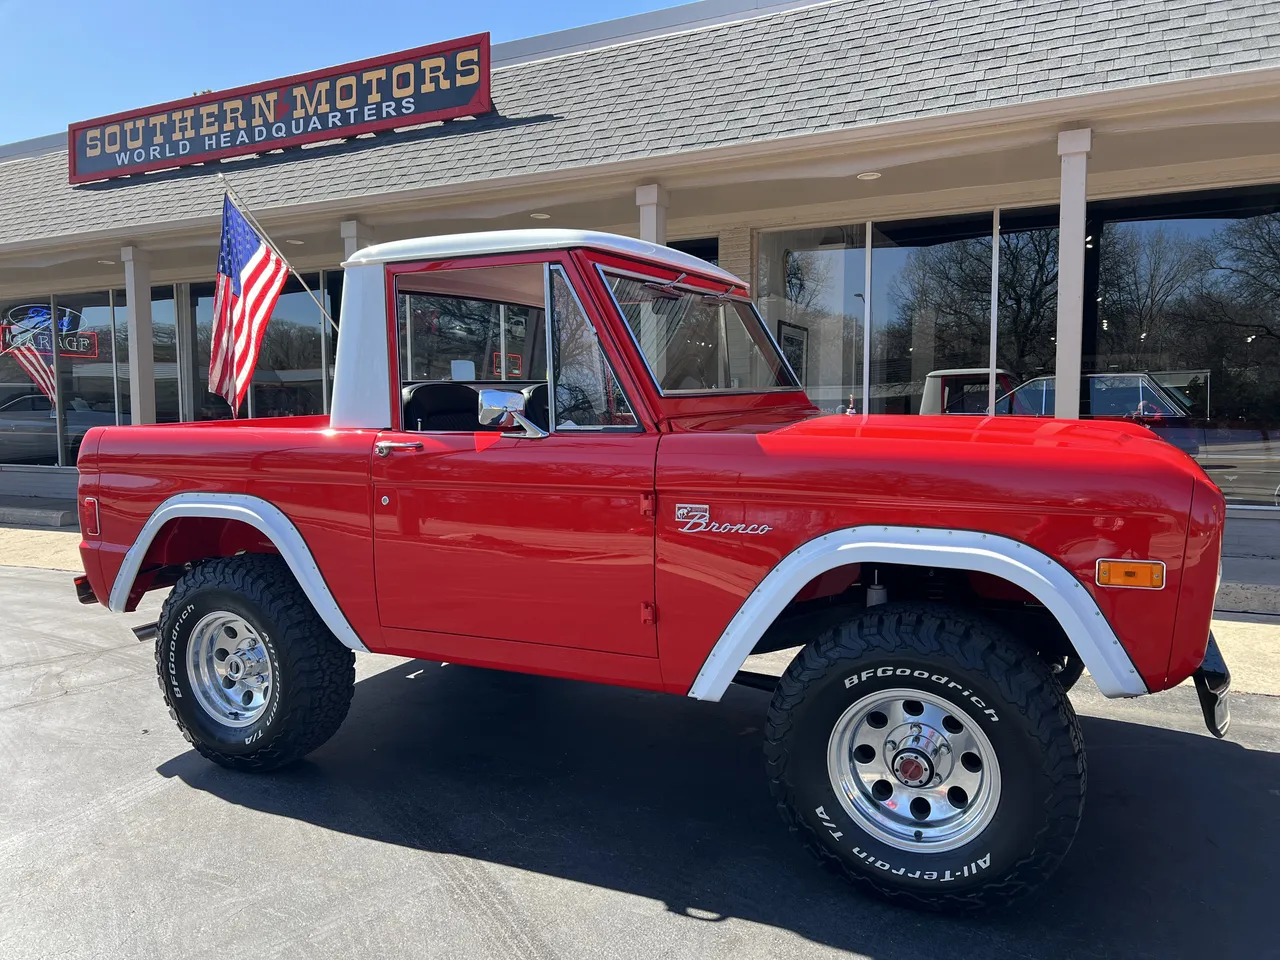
[(1260, 598), (38, 512)]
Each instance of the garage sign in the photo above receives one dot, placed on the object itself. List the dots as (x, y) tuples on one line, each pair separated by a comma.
[(32, 324), (427, 84)]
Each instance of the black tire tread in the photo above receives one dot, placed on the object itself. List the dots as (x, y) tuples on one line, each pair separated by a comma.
[(1026, 682), (321, 668)]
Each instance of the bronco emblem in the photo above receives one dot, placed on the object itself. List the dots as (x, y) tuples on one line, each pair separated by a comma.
[(696, 518)]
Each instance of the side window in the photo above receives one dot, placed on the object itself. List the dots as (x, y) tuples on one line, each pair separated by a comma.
[(587, 393), (965, 398), (1114, 396), (1027, 400)]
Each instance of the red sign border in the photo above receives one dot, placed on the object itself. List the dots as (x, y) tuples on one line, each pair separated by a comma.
[(480, 104), (96, 355)]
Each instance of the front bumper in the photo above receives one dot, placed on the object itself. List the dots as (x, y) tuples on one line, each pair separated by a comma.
[(1213, 684)]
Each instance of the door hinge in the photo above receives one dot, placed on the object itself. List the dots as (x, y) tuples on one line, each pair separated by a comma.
[(647, 502), (648, 613)]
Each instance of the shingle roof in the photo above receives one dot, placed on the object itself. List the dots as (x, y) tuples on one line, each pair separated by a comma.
[(821, 68)]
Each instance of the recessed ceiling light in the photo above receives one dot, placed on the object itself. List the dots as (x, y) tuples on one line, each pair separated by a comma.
[(107, 263), (295, 243), (540, 216), (869, 175)]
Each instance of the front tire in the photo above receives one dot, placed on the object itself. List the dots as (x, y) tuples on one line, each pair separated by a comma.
[(250, 673), (922, 753)]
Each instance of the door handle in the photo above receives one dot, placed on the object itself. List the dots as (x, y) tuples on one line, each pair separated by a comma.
[(383, 448)]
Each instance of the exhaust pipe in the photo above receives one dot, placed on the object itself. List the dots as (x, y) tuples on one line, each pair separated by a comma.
[(147, 632)]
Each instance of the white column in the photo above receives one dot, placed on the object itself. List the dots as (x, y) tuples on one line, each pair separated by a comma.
[(142, 368), (356, 235), (1073, 148), (652, 201)]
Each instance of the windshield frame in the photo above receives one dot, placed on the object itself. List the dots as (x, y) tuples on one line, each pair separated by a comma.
[(604, 271)]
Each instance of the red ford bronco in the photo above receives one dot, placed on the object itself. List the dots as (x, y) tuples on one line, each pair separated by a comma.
[(584, 456)]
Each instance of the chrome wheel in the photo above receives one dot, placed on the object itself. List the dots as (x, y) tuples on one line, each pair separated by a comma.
[(914, 770), (229, 669)]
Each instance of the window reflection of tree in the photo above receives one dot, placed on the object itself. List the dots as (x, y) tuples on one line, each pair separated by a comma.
[(939, 294), (587, 394), (951, 283), (1169, 298), (1172, 298), (443, 329)]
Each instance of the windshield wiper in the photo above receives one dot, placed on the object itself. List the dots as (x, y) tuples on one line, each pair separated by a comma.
[(667, 291)]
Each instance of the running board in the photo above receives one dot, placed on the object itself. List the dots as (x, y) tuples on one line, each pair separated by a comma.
[(146, 632), (761, 681)]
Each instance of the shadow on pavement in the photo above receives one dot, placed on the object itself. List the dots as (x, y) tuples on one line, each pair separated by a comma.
[(665, 798)]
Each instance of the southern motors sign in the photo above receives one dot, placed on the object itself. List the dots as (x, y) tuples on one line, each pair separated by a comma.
[(438, 82)]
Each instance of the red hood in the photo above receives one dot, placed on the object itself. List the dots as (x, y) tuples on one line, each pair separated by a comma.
[(1020, 431), (798, 423)]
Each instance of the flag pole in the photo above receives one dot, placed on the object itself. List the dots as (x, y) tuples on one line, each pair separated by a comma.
[(243, 208)]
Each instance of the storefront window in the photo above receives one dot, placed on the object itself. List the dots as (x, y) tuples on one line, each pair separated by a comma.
[(164, 340), (28, 421), (287, 379), (332, 282), (704, 248), (930, 315), (810, 290), (86, 369), (209, 406), (164, 346), (930, 318), (1186, 293), (1027, 308), (120, 353)]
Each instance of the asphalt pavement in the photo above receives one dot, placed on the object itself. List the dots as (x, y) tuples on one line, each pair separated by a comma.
[(470, 813)]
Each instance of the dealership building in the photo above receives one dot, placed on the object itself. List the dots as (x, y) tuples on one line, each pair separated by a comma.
[(1089, 192)]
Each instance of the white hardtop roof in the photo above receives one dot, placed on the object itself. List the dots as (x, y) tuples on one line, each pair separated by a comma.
[(520, 241), (963, 371)]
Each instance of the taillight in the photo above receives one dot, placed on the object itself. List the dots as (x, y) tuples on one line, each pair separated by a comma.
[(89, 526)]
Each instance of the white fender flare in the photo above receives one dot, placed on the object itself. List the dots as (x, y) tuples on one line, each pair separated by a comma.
[(256, 512), (1037, 573)]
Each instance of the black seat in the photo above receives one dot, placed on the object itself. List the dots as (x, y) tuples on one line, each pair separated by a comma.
[(535, 405), (441, 406)]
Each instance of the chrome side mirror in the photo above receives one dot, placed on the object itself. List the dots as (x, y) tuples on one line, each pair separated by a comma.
[(505, 409)]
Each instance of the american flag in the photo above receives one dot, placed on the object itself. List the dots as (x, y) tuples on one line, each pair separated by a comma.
[(250, 277), (31, 360)]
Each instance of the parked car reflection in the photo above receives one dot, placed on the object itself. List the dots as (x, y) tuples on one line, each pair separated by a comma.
[(1243, 458), (29, 428)]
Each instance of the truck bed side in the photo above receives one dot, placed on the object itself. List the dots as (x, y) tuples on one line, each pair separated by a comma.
[(318, 477)]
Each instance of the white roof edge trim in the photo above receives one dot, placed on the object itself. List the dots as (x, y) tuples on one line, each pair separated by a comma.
[(257, 513), (523, 241), (1037, 573)]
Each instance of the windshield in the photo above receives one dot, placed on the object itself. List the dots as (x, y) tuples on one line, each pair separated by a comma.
[(699, 343)]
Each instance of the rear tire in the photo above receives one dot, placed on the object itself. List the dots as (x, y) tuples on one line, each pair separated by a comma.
[(923, 754), (250, 673)]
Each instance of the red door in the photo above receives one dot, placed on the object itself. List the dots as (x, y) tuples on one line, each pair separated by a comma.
[(546, 540)]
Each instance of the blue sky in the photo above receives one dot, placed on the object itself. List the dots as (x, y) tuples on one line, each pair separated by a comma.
[(68, 60)]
